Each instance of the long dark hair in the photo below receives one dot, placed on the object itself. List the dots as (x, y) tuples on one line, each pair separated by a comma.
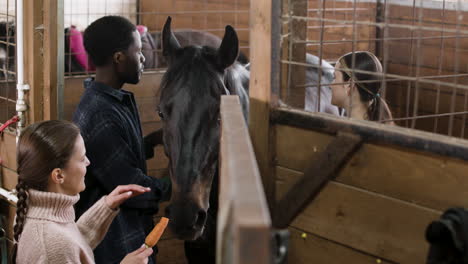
[(368, 84), (42, 147)]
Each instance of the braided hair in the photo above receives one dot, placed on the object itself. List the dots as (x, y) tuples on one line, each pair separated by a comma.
[(367, 83), (42, 147)]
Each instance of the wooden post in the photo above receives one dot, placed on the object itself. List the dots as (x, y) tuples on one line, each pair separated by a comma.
[(53, 59), (43, 27), (263, 77), (293, 77), (33, 46), (244, 225)]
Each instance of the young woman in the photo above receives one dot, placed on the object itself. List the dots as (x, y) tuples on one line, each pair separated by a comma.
[(359, 92), (51, 167)]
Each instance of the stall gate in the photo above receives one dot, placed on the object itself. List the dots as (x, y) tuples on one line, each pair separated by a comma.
[(357, 191)]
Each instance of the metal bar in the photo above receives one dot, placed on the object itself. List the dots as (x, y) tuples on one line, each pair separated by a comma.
[(441, 58), (426, 116), (185, 12), (383, 87), (353, 61), (410, 62), (376, 39), (401, 77), (347, 22), (379, 74), (457, 66), (322, 31), (418, 67), (8, 99)]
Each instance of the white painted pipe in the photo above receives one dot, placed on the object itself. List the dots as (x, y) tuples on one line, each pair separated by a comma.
[(21, 87)]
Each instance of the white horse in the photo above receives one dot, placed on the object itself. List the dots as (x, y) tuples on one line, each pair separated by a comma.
[(327, 78)]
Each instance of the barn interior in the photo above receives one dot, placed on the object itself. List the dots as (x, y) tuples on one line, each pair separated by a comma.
[(380, 194)]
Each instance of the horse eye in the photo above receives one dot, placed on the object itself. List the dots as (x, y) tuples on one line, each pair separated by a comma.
[(161, 114)]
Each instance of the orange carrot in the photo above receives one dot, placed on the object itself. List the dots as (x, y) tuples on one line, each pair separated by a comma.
[(156, 233)]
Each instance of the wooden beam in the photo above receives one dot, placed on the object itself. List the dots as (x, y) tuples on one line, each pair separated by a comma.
[(323, 168), (33, 68), (243, 231), (53, 59), (262, 50), (374, 133), (297, 53)]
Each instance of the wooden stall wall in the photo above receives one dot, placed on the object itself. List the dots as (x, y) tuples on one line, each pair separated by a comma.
[(377, 209), (436, 53)]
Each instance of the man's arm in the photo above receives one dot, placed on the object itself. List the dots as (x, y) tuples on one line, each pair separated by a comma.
[(150, 141), (114, 163)]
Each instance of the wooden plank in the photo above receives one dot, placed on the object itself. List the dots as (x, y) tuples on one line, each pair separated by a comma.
[(395, 172), (52, 72), (261, 51), (306, 247), (295, 95), (369, 222), (9, 178), (323, 167), (33, 56), (375, 133), (8, 150), (242, 204)]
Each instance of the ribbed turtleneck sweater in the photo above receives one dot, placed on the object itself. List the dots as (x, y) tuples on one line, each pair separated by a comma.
[(51, 235)]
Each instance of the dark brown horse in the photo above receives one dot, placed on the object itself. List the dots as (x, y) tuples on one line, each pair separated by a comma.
[(189, 106)]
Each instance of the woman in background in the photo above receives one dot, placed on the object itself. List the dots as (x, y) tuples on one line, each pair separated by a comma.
[(359, 92)]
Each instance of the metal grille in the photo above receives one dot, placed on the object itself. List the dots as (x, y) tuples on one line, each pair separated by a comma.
[(421, 44), (197, 21), (7, 61)]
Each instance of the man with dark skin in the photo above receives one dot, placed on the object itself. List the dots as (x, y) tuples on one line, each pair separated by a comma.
[(110, 125)]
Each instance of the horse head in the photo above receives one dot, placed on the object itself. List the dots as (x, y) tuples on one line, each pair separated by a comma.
[(189, 107)]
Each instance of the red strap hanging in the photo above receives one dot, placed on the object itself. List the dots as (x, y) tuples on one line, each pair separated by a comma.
[(9, 122)]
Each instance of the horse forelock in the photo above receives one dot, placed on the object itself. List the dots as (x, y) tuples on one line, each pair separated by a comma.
[(195, 70)]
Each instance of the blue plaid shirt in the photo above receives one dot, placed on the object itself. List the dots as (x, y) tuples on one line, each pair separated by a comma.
[(111, 129)]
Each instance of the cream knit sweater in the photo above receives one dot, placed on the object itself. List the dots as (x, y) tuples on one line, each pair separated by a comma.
[(50, 234)]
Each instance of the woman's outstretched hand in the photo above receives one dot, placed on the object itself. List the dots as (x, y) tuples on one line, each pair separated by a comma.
[(139, 256), (123, 192)]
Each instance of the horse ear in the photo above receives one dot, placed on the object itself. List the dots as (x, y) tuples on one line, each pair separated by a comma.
[(229, 49), (170, 45)]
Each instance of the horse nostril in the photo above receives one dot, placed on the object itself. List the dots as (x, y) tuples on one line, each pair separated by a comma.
[(201, 217)]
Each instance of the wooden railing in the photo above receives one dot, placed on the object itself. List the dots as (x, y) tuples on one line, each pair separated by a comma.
[(244, 225)]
